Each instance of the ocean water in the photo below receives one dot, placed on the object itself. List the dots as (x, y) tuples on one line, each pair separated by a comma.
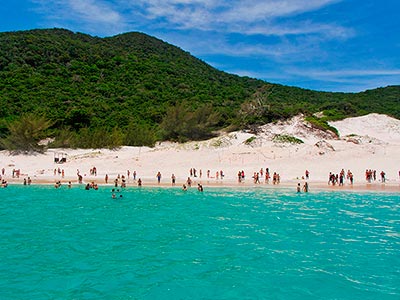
[(163, 243)]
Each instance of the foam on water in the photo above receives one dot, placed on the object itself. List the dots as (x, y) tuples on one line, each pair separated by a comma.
[(220, 244)]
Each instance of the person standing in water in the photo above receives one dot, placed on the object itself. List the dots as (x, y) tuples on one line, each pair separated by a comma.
[(305, 187)]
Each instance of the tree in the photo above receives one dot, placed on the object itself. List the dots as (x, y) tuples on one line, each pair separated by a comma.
[(25, 134)]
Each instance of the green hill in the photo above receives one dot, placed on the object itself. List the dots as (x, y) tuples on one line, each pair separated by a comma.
[(133, 89)]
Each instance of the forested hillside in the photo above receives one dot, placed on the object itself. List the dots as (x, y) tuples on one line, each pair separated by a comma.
[(133, 89)]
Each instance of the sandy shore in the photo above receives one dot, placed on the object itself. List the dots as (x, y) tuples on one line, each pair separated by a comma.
[(313, 186), (369, 142)]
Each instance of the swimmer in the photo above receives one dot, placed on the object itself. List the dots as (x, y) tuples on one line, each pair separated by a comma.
[(184, 188)]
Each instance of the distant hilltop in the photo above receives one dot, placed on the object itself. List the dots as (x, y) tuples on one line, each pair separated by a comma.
[(134, 89)]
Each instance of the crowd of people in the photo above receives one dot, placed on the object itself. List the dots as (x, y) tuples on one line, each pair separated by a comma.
[(338, 179), (195, 177)]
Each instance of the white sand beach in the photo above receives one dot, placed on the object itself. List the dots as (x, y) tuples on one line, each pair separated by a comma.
[(367, 142)]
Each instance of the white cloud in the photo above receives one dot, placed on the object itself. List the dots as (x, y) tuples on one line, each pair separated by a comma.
[(95, 11), (255, 10), (336, 74), (347, 80), (92, 15), (235, 16), (337, 80), (245, 17), (301, 28)]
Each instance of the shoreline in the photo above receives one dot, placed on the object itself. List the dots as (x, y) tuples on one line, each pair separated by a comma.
[(313, 185)]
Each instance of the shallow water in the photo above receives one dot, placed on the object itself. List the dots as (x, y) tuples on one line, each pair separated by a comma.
[(220, 244)]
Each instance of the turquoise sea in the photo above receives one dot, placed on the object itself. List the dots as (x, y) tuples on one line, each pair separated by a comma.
[(164, 243)]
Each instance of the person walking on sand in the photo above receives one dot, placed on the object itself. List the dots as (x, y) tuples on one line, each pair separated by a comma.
[(383, 177), (158, 177), (173, 179)]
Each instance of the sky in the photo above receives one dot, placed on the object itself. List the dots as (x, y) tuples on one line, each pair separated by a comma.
[(325, 45)]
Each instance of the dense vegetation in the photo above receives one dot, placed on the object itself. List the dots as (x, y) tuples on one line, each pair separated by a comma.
[(134, 89)]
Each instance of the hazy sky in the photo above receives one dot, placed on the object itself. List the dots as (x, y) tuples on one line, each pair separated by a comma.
[(329, 45)]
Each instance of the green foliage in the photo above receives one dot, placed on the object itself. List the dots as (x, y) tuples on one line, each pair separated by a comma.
[(89, 138), (284, 138), (97, 138), (25, 134), (182, 124), (139, 135), (139, 88), (250, 140), (217, 143), (321, 124), (334, 115), (64, 138)]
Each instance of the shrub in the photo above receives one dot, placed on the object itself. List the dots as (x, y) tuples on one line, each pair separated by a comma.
[(25, 134), (250, 140), (321, 124), (284, 138)]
